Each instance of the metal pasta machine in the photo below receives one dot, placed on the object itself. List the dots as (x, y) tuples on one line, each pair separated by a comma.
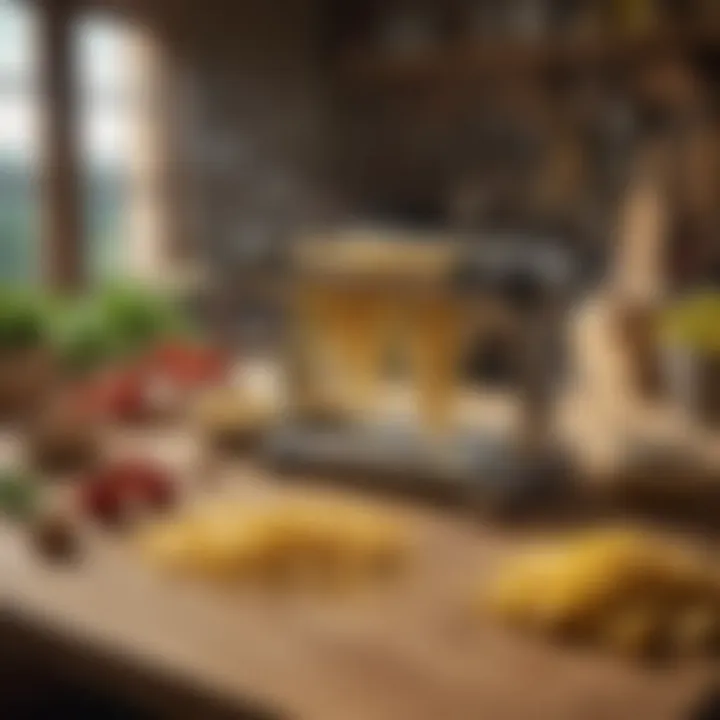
[(380, 325)]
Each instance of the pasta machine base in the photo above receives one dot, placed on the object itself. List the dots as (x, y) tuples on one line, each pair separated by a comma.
[(474, 469)]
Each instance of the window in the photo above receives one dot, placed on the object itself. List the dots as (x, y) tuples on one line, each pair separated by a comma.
[(108, 109), (19, 142), (108, 114)]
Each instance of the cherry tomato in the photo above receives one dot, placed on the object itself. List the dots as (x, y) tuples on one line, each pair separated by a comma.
[(108, 493), (189, 364), (119, 395), (102, 501)]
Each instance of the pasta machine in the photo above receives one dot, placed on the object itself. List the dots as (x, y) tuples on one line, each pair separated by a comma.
[(378, 331)]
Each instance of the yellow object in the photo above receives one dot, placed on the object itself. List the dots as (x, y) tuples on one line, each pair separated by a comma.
[(320, 384), (227, 412), (623, 589), (437, 340), (359, 334), (365, 255), (289, 543), (694, 323), (509, 595), (354, 299)]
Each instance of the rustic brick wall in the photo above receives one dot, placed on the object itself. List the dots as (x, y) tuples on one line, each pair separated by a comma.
[(248, 123), (251, 111)]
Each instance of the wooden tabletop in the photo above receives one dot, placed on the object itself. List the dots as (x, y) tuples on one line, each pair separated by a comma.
[(405, 652)]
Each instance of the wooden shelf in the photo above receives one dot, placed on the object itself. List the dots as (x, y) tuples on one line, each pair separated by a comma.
[(463, 59)]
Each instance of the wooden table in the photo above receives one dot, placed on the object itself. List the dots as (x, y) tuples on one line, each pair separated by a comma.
[(408, 652)]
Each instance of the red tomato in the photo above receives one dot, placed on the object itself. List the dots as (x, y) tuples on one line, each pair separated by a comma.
[(128, 398), (120, 395), (189, 364), (147, 483), (138, 475), (101, 500), (109, 492)]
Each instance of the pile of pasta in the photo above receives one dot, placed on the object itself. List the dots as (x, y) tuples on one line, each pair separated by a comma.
[(622, 589), (345, 332), (348, 332), (291, 544)]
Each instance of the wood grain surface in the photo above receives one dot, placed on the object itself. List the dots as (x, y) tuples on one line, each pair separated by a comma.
[(408, 651)]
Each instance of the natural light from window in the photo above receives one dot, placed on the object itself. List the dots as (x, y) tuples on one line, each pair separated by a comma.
[(106, 112)]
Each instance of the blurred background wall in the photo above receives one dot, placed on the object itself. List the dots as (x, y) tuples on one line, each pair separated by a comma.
[(215, 132)]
